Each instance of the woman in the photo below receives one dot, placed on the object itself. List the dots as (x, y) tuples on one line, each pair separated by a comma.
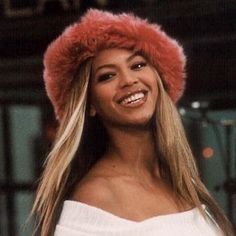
[(120, 164)]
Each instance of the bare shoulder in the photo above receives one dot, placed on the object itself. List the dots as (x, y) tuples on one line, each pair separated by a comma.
[(95, 191)]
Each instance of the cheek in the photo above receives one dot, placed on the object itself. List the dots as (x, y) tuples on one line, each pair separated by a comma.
[(155, 91), (152, 83), (101, 98)]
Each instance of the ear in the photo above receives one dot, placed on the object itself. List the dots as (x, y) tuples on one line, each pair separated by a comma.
[(92, 111)]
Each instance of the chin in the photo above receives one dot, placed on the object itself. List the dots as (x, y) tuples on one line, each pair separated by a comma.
[(139, 122), (130, 120)]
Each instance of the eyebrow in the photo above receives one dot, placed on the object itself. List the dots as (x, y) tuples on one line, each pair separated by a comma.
[(112, 65)]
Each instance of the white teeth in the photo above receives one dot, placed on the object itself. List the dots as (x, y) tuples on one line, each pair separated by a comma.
[(133, 98)]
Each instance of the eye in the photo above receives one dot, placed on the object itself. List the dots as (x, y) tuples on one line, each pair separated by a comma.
[(105, 77), (138, 66)]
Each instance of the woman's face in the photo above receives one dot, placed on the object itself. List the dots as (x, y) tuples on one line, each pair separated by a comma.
[(123, 88)]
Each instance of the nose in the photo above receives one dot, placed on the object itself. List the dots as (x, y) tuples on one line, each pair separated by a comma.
[(127, 79)]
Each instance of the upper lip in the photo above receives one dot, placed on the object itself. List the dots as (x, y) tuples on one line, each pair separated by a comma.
[(129, 93)]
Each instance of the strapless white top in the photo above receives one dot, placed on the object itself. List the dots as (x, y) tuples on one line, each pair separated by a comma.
[(79, 219)]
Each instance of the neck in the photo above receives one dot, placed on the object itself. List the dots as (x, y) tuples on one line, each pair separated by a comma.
[(133, 150)]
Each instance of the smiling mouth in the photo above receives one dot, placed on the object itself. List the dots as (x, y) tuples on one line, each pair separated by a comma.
[(133, 98)]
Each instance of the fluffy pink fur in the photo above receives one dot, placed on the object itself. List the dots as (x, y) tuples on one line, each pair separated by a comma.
[(98, 30)]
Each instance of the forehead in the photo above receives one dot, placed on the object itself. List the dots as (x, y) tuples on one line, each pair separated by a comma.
[(112, 56)]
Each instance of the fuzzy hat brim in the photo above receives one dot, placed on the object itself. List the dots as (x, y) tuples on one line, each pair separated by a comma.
[(98, 30)]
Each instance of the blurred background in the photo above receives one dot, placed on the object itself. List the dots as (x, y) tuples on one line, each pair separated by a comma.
[(206, 29)]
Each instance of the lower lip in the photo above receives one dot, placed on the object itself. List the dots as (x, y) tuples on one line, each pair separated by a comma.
[(135, 104)]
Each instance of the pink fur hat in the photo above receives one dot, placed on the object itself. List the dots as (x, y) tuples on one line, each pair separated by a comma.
[(99, 30)]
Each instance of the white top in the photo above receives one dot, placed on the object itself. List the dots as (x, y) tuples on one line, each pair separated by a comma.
[(79, 219)]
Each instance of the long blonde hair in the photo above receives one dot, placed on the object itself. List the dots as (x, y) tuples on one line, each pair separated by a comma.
[(176, 159)]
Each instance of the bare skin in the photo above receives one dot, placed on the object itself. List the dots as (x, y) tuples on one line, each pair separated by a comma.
[(126, 181)]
